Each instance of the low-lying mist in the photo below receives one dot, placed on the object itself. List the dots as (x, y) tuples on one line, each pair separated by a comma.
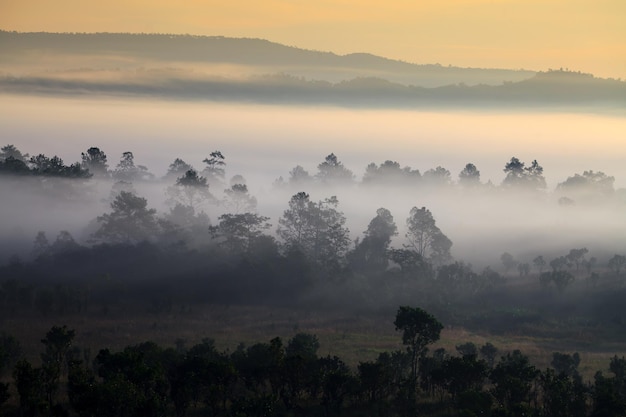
[(264, 143)]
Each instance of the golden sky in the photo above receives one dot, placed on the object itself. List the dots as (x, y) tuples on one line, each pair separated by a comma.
[(582, 35)]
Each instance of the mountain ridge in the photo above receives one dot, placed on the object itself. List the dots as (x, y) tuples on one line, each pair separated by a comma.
[(256, 70), (250, 52)]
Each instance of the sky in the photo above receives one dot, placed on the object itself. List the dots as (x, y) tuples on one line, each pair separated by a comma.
[(580, 35)]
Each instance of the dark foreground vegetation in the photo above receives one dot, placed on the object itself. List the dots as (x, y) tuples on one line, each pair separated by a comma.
[(277, 378), (175, 261)]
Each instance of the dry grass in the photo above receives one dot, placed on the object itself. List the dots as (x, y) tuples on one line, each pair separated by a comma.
[(353, 338)]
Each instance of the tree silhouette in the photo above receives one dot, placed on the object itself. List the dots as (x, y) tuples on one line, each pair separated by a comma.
[(54, 167), (126, 170), (177, 169), (10, 151), (513, 380), (469, 176), (589, 186), (419, 329), (237, 199), (95, 161), (616, 263), (190, 190), (214, 171), (315, 229), (371, 253), (437, 177), (299, 177), (130, 221), (239, 232), (389, 172), (424, 236), (332, 171), (519, 175)]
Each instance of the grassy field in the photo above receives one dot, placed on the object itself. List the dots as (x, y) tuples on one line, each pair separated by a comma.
[(352, 337)]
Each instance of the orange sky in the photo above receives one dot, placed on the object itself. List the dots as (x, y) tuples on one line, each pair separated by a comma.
[(584, 35)]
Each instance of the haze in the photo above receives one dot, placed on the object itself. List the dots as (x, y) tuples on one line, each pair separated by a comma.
[(263, 143), (535, 35)]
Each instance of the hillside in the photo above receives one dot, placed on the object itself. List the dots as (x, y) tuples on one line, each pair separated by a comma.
[(184, 67), (125, 51)]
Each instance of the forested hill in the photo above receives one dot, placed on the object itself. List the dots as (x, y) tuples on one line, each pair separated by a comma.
[(187, 67), (15, 47)]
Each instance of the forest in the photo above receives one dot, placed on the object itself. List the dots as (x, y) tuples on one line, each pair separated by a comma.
[(212, 241)]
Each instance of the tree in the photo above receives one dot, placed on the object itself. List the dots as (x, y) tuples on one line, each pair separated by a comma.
[(371, 253), (589, 186), (608, 396), (182, 223), (389, 172), (564, 363), (419, 329), (332, 171), (299, 367), (177, 169), (589, 264), (237, 199), (10, 352), (315, 229), (469, 176), (10, 151), (489, 352), (513, 380), (214, 171), (467, 349), (126, 169), (41, 246), (190, 190), (64, 243), (14, 166), (95, 161), (29, 385), (54, 167), (558, 264), (440, 249), (239, 232), (518, 175), (58, 341), (335, 383), (523, 269), (508, 261), (539, 263), (133, 382), (616, 263), (375, 380), (577, 256), (298, 176), (129, 222), (563, 395), (424, 236), (437, 177), (411, 263), (561, 279), (464, 374), (455, 279)]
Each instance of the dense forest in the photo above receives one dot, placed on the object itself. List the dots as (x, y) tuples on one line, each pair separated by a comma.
[(210, 243)]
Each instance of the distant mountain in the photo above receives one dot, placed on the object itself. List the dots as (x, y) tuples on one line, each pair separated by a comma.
[(121, 50), (253, 70)]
